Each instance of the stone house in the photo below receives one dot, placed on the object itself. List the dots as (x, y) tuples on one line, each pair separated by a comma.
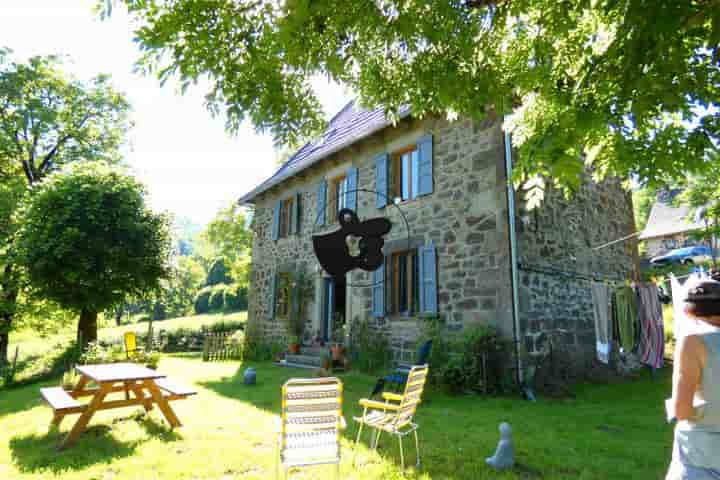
[(449, 180), (669, 226)]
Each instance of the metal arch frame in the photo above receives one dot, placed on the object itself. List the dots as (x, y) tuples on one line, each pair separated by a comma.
[(387, 198)]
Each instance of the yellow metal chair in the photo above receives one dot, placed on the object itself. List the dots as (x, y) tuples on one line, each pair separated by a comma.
[(310, 423), (131, 346), (396, 415)]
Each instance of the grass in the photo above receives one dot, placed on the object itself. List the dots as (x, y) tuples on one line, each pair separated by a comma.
[(39, 354), (607, 431)]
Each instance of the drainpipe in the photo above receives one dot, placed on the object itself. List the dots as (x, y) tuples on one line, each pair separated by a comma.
[(513, 259)]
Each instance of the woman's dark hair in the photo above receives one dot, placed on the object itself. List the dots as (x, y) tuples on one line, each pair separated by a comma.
[(703, 300)]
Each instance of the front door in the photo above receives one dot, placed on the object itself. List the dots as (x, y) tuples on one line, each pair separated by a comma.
[(328, 309), (333, 307)]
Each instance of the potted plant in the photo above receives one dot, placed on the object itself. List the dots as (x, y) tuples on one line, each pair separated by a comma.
[(338, 339), (326, 361), (294, 345)]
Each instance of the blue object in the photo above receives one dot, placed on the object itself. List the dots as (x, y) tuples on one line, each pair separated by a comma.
[(250, 376), (399, 376), (685, 255)]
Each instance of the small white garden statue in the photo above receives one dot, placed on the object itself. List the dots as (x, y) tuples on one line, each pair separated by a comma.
[(505, 454)]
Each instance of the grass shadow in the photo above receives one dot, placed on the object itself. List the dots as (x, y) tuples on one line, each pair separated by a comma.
[(158, 430), (35, 453)]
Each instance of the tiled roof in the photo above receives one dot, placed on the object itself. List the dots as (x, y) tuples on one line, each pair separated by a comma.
[(668, 219), (348, 126)]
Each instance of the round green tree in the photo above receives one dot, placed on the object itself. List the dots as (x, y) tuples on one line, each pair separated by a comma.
[(88, 240)]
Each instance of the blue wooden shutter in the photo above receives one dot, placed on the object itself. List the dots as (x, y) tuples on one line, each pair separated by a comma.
[(273, 296), (297, 215), (321, 202), (351, 192), (428, 280), (378, 292), (425, 164), (381, 180), (276, 221)]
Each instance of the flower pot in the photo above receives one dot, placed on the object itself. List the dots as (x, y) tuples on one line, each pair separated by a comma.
[(294, 348), (337, 352)]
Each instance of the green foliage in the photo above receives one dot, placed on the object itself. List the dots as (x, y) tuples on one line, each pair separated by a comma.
[(88, 240), (218, 273), (643, 200), (633, 85), (257, 348), (202, 300), (302, 291), (457, 362), (47, 120), (217, 298), (231, 239), (702, 192), (236, 298), (371, 352)]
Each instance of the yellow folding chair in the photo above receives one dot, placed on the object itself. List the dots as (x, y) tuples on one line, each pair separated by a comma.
[(310, 424), (131, 347), (396, 415)]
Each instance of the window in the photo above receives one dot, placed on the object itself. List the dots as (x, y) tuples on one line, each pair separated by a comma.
[(404, 174), (338, 198), (282, 296), (402, 270), (286, 220)]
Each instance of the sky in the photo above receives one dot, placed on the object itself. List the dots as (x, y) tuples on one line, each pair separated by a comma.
[(191, 166)]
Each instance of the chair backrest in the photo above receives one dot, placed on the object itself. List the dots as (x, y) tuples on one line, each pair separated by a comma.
[(311, 416), (413, 394), (130, 341), (424, 353)]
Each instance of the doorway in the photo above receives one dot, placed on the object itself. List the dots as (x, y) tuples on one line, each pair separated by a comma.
[(334, 301)]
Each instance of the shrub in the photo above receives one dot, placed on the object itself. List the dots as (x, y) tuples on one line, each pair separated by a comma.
[(218, 273), (202, 300), (236, 298), (371, 352), (216, 302)]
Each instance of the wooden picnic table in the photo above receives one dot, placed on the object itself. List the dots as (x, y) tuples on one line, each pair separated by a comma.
[(142, 386)]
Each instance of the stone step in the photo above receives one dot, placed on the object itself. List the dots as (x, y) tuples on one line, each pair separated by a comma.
[(295, 365), (314, 351), (310, 360)]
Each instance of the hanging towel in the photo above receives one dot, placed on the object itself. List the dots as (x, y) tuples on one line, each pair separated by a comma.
[(626, 315), (602, 315), (652, 337)]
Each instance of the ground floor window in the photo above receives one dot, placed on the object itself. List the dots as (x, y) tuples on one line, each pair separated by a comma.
[(282, 296), (402, 270)]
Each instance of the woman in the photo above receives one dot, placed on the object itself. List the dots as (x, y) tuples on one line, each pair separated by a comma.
[(696, 380)]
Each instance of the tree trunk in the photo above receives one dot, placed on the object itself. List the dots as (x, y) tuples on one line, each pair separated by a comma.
[(8, 300), (4, 344), (87, 328)]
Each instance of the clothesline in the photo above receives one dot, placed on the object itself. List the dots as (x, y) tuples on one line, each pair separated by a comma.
[(570, 274)]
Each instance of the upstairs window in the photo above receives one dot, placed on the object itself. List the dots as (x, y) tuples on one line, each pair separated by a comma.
[(286, 214), (404, 174), (338, 197)]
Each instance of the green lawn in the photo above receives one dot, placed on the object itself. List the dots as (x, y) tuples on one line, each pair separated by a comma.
[(38, 353), (607, 431)]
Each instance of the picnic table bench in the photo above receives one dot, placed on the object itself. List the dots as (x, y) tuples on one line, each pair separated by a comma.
[(147, 387)]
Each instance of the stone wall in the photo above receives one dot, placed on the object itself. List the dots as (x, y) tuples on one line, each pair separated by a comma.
[(464, 217), (561, 236)]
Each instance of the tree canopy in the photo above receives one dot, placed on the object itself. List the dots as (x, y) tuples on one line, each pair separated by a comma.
[(88, 240), (627, 87), (47, 119)]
